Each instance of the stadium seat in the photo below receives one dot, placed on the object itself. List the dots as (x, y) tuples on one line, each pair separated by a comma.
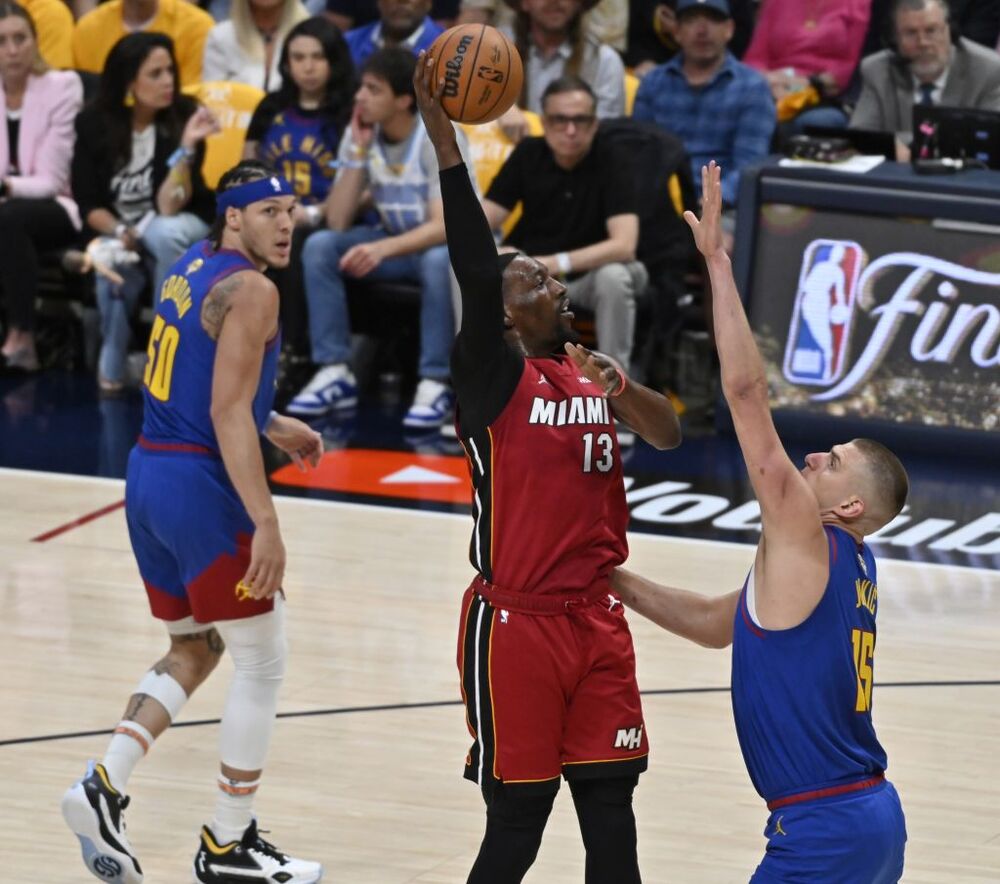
[(234, 104)]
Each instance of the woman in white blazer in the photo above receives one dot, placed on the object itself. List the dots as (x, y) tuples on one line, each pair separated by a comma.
[(246, 48), (37, 212)]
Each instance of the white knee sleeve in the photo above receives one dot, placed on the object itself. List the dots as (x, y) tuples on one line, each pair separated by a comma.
[(259, 651)]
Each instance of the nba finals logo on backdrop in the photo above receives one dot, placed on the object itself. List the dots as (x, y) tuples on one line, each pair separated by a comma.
[(818, 339)]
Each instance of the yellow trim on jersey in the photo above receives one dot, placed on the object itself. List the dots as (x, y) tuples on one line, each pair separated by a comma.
[(606, 760), (489, 681), (540, 780), (493, 471)]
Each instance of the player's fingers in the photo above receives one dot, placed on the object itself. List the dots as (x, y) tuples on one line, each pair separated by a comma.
[(691, 218), (297, 460)]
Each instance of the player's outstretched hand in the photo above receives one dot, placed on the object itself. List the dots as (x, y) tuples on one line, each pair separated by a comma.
[(708, 230), (267, 563), (298, 440), (599, 368), (439, 127)]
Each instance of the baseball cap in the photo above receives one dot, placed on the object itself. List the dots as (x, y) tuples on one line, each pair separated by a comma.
[(719, 6)]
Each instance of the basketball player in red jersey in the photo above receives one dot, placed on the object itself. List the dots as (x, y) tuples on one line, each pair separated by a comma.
[(545, 654)]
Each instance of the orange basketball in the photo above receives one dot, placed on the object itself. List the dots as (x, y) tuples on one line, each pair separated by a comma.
[(482, 72)]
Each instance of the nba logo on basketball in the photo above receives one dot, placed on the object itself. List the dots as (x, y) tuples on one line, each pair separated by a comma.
[(819, 335)]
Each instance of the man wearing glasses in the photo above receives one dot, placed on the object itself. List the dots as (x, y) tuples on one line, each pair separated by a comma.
[(580, 212), (929, 64)]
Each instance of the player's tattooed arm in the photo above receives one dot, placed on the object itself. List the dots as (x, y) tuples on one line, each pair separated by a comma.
[(217, 304)]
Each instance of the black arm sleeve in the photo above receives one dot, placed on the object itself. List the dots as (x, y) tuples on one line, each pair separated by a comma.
[(484, 369)]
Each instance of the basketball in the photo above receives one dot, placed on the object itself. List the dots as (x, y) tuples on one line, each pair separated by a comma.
[(482, 72)]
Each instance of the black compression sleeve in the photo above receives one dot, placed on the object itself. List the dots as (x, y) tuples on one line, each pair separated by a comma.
[(484, 369)]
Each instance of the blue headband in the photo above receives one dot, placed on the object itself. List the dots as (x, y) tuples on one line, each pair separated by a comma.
[(242, 195)]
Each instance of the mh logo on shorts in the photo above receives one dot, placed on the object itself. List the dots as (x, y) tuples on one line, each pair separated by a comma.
[(628, 737), (818, 338)]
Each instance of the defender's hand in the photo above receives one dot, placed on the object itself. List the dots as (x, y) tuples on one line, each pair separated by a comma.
[(708, 231), (599, 368), (297, 439)]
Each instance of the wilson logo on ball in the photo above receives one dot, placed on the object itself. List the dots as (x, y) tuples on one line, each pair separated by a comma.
[(453, 68)]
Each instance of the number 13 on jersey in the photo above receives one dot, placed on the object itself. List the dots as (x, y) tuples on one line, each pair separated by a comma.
[(160, 353)]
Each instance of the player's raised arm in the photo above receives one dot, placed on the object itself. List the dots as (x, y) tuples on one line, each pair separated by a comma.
[(698, 618), (470, 240), (250, 320), (788, 507)]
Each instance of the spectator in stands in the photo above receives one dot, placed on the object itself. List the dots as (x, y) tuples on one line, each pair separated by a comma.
[(187, 25), (652, 32), (926, 67), (54, 26), (552, 41), (297, 129), (36, 146), (977, 20), (387, 152), (246, 48), (137, 180), (607, 22), (580, 215), (348, 14), (403, 23), (809, 51), (721, 109)]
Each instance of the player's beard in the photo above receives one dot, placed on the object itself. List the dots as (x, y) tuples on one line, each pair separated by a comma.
[(566, 335)]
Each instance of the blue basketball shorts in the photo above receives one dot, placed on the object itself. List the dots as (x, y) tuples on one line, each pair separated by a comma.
[(190, 533), (857, 838)]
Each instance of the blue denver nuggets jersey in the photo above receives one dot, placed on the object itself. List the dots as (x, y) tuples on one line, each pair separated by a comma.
[(802, 697), (177, 387), (303, 146)]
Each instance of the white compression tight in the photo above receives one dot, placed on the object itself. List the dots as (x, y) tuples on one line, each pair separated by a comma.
[(259, 650)]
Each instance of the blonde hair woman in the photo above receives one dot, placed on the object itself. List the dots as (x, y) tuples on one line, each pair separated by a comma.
[(246, 48)]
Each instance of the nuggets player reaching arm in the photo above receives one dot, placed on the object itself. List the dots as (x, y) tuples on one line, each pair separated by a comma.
[(803, 625)]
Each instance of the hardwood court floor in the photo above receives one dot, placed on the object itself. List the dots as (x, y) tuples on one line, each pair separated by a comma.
[(376, 793)]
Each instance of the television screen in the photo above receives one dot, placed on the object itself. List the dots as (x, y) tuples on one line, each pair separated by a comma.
[(874, 316)]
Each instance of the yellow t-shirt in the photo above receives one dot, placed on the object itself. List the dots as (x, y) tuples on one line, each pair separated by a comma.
[(54, 24), (183, 22)]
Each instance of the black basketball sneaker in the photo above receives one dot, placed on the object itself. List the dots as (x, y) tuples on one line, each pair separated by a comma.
[(93, 809), (250, 859)]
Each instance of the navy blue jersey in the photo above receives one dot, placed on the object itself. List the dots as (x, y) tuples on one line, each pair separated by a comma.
[(177, 388), (802, 697), (303, 147)]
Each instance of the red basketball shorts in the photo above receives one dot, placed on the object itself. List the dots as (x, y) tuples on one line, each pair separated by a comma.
[(549, 694)]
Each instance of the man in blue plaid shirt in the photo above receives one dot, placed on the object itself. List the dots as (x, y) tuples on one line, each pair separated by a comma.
[(721, 109)]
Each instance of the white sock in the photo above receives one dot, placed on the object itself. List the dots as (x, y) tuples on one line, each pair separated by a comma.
[(131, 741), (233, 809)]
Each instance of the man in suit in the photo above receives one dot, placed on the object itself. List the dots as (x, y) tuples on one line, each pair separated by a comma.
[(927, 66)]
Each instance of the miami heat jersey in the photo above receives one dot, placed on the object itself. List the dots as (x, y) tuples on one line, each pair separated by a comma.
[(802, 697), (549, 499), (177, 387)]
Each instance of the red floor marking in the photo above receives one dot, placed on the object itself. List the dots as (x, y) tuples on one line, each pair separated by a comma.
[(385, 474), (76, 523)]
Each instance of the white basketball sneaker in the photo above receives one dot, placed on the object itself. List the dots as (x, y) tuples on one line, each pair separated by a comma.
[(250, 859), (93, 809)]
